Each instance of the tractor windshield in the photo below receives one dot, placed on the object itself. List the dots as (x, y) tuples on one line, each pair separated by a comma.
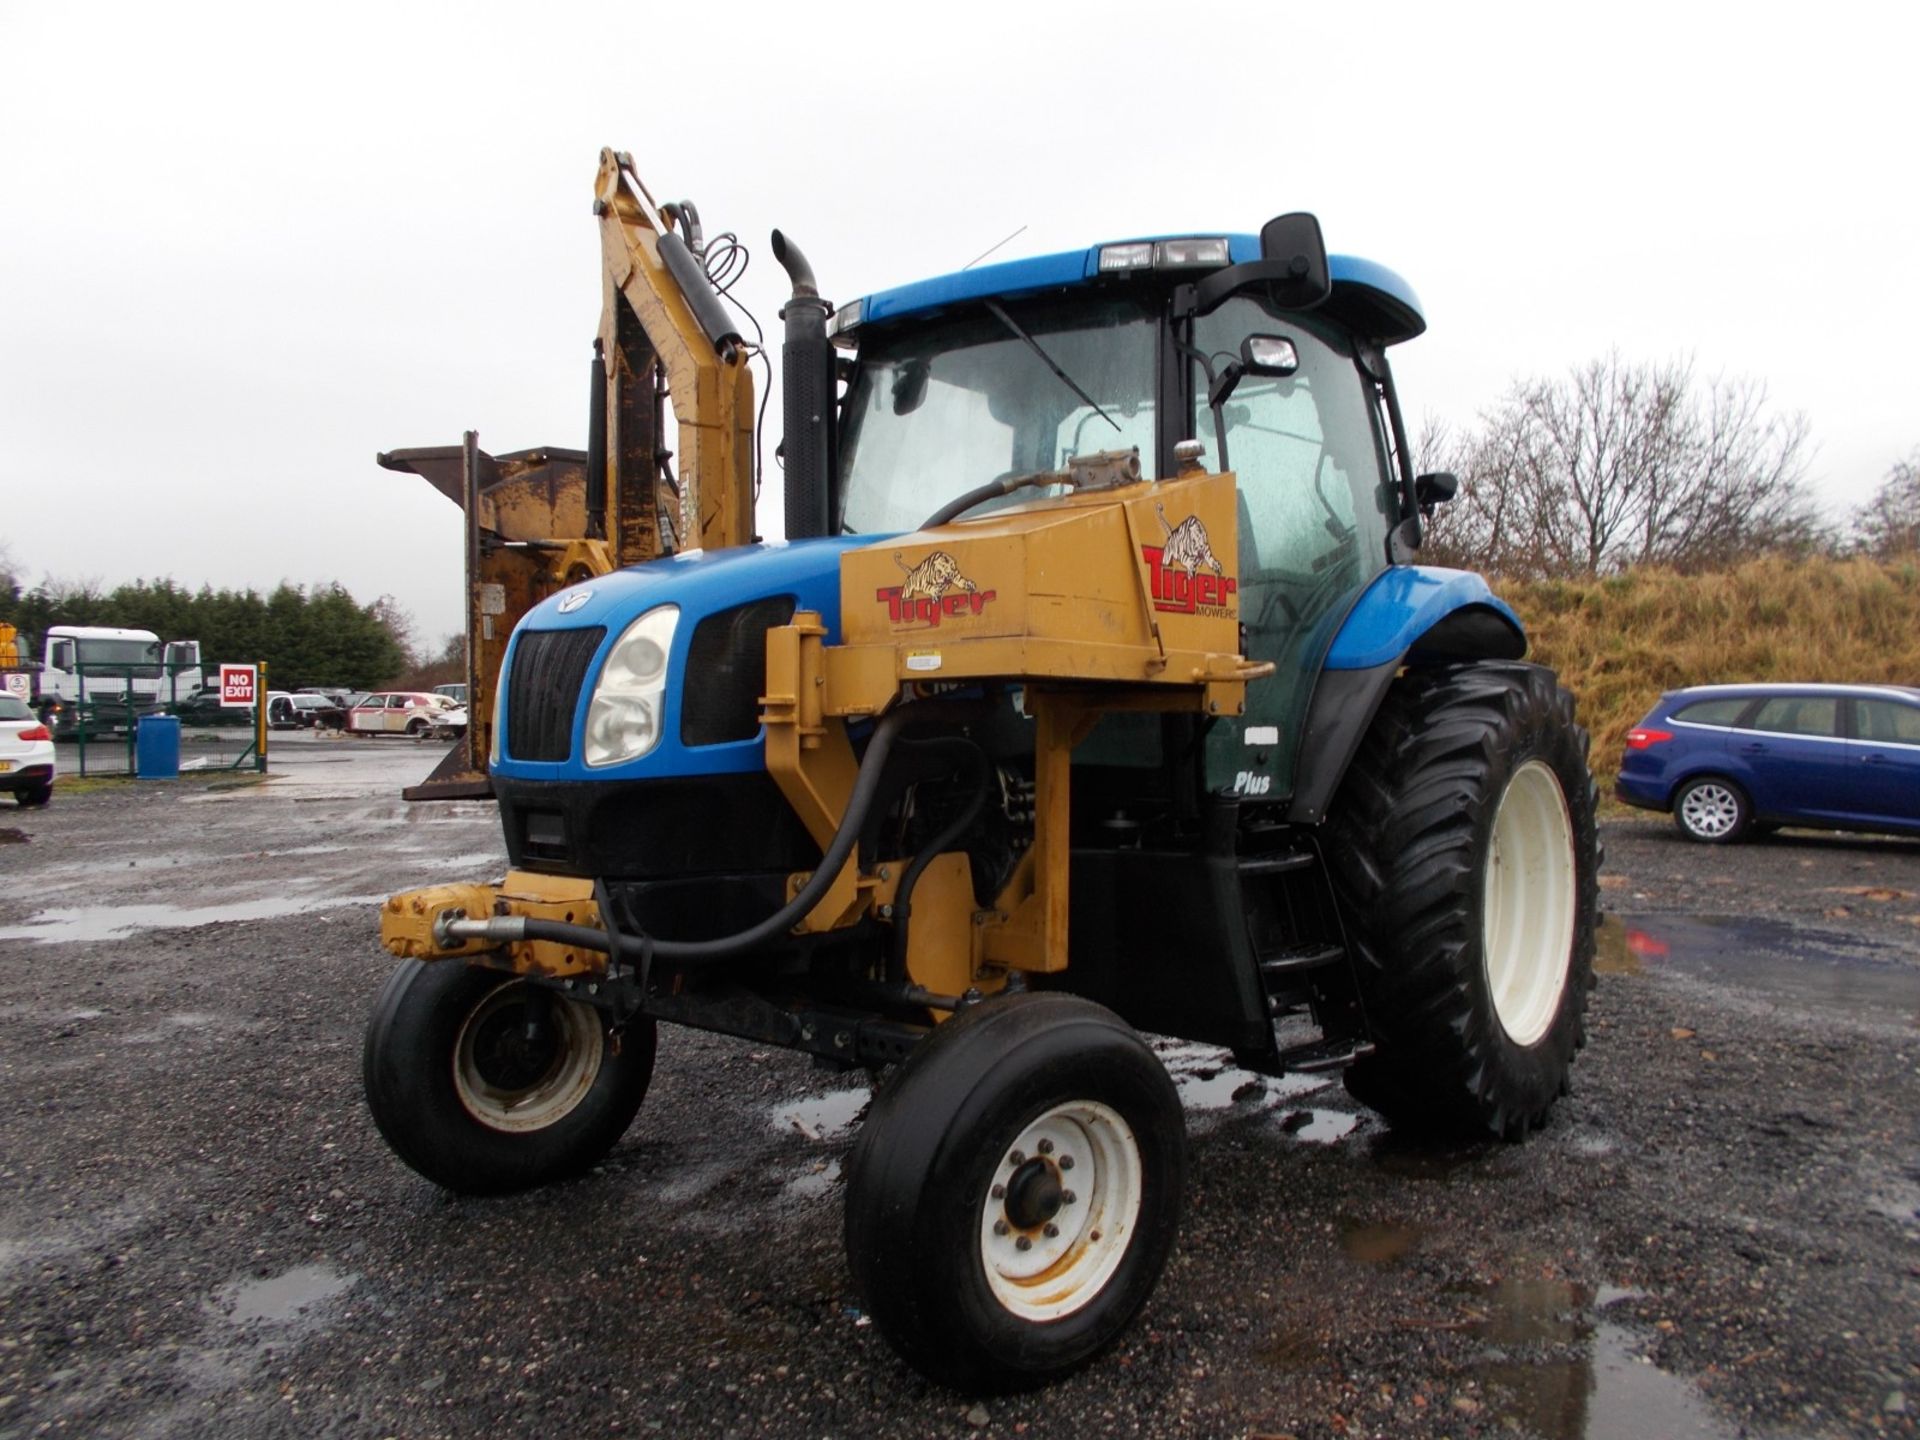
[(938, 409)]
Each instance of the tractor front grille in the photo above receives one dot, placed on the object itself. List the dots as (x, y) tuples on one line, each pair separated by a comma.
[(543, 690), (727, 672)]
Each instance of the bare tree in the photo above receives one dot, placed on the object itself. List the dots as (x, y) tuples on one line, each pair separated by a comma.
[(397, 621), (1889, 524), (1617, 464)]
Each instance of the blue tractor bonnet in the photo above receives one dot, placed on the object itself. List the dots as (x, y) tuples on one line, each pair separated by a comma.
[(700, 583)]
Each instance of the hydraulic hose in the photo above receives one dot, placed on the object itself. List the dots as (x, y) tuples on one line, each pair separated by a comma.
[(903, 897), (508, 929), (992, 490)]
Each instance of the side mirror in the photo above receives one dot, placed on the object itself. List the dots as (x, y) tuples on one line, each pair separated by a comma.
[(1434, 489), (1292, 268), (910, 386), (1259, 355), (61, 655)]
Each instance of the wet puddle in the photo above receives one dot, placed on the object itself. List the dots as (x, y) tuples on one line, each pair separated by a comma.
[(1771, 960), (282, 1299), (1556, 1367), (821, 1117), (1211, 1086), (1378, 1242), (94, 923), (815, 1184), (11, 836)]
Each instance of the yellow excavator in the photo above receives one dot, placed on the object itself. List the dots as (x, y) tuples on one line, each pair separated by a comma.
[(1096, 689)]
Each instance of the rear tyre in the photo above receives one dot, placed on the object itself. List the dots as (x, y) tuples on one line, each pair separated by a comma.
[(35, 796), (1015, 1191), (417, 727), (1463, 849), (1712, 810), (485, 1083)]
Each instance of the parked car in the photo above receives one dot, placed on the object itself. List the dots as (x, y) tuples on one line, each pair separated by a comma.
[(396, 712), (26, 752), (336, 695), (205, 709), (305, 710), (455, 692), (1728, 760)]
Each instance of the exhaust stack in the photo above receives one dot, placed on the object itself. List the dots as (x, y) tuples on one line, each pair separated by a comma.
[(807, 377)]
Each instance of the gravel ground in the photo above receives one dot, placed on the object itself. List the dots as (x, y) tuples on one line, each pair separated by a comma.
[(201, 1233)]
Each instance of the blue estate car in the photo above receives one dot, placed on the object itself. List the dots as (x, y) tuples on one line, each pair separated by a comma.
[(1726, 759)]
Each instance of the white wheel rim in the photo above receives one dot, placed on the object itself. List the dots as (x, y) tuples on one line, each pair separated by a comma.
[(544, 1095), (1710, 810), (1530, 897), (1069, 1187)]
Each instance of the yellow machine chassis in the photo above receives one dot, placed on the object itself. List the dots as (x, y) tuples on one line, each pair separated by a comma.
[(1114, 600)]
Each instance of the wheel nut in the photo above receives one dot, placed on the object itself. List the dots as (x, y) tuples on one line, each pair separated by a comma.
[(1046, 1147), (1066, 1162), (1066, 1197), (999, 1227), (999, 1192), (1017, 1159), (1051, 1229), (1023, 1243)]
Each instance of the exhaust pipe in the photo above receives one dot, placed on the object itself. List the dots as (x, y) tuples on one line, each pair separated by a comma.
[(807, 377)]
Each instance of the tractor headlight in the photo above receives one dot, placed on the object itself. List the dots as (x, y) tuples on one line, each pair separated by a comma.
[(628, 708)]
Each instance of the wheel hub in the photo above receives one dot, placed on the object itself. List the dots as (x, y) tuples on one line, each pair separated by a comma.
[(525, 1058), (516, 1046), (1034, 1195), (1529, 903), (1060, 1210)]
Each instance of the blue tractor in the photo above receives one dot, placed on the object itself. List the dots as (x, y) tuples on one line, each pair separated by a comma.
[(1097, 689)]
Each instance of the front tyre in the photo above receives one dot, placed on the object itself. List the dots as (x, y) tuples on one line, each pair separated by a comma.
[(1464, 851), (485, 1083), (1014, 1194)]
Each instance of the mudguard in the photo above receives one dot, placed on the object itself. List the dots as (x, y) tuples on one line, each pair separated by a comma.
[(1419, 614)]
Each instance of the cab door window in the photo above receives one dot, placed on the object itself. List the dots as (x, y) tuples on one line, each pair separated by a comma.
[(1315, 508)]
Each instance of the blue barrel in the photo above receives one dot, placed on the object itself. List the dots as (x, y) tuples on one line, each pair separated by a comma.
[(156, 748)]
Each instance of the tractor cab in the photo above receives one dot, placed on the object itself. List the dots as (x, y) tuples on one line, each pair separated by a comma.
[(1019, 368)]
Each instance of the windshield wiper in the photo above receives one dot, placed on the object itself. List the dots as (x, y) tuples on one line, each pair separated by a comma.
[(1046, 359)]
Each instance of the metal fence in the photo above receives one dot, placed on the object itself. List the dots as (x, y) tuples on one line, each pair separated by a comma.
[(98, 728)]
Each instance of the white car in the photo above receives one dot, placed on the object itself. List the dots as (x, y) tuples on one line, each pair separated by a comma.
[(26, 752), (450, 723)]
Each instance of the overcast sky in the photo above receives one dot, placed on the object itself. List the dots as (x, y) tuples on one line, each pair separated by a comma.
[(243, 248)]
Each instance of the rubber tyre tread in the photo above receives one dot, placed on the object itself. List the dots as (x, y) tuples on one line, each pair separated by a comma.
[(1743, 822), (34, 796), (407, 1070), (920, 1170), (1407, 840)]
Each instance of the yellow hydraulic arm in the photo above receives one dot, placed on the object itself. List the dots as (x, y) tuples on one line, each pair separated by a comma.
[(676, 320), (540, 520)]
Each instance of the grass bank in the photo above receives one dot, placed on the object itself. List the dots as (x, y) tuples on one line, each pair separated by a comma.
[(1618, 642)]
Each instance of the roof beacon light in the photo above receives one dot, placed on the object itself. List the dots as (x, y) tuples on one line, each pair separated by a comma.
[(1137, 256), (1190, 253)]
